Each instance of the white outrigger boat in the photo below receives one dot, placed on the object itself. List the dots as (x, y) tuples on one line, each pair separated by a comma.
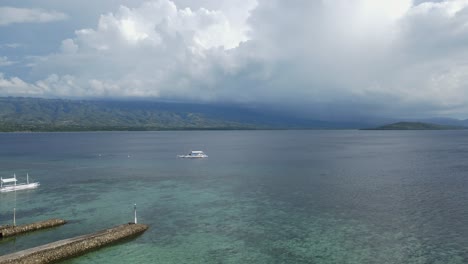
[(194, 154), (13, 186)]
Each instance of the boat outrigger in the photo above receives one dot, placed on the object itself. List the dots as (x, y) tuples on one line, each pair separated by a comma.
[(13, 186), (194, 154)]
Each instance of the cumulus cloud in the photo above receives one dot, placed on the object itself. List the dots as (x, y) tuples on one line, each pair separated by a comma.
[(323, 56), (16, 86), (156, 49), (54, 86), (12, 15)]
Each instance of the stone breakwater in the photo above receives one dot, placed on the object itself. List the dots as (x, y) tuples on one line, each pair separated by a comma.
[(73, 247), (7, 231)]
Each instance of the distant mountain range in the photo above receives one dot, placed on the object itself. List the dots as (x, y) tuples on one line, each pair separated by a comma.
[(36, 114)]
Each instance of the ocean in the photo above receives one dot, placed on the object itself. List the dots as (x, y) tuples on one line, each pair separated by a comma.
[(306, 196)]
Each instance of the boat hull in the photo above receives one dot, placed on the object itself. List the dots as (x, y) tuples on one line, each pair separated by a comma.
[(19, 187), (192, 157)]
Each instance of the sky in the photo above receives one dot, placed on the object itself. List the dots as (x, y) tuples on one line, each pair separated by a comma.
[(323, 58)]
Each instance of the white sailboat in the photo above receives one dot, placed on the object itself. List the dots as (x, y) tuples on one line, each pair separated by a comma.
[(12, 185)]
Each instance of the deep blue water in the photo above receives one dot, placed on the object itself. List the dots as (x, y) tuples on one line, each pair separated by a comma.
[(261, 196)]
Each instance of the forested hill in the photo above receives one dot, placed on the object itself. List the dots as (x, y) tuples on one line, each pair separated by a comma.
[(35, 114), (416, 126)]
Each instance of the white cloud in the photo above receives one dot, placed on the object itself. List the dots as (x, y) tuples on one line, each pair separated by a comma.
[(68, 46), (154, 50), (55, 86), (4, 61), (11, 45), (12, 15), (16, 86), (150, 22)]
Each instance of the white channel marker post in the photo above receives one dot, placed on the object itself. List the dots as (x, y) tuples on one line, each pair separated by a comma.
[(134, 210)]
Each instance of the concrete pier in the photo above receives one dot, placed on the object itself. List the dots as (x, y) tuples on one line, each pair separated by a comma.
[(73, 247), (8, 231)]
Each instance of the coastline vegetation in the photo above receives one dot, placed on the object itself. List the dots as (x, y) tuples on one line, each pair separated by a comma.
[(416, 126), (47, 115)]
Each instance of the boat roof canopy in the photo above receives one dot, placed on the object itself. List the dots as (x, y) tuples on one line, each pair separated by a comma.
[(9, 180), (197, 151)]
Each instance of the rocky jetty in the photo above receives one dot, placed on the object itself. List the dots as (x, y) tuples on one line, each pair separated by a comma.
[(8, 231), (73, 247)]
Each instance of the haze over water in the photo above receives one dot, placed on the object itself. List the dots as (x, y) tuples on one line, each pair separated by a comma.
[(260, 197)]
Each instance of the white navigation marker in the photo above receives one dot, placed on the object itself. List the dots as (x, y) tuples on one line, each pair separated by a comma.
[(134, 210)]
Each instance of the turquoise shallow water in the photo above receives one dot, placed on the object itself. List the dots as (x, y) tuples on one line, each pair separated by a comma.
[(260, 197)]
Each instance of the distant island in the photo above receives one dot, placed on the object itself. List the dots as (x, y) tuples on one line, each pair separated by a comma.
[(416, 126)]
